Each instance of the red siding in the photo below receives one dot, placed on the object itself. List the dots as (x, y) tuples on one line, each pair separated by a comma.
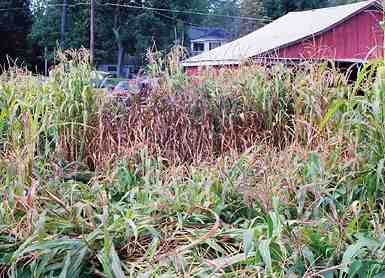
[(192, 71), (359, 37), (353, 39), (196, 70)]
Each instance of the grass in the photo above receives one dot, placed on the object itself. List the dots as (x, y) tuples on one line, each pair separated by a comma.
[(252, 172)]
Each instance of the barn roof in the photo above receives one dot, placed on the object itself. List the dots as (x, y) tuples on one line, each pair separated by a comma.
[(285, 31)]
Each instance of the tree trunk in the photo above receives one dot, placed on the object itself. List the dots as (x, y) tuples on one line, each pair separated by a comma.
[(119, 66), (92, 31), (120, 53), (63, 23)]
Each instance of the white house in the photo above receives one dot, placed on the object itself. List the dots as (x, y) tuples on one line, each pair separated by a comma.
[(206, 38)]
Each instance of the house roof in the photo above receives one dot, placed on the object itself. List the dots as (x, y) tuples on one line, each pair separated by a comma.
[(196, 33), (284, 31)]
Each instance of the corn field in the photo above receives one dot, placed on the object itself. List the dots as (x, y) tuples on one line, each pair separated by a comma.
[(253, 172)]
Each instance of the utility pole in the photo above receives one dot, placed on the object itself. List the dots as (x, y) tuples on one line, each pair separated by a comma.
[(176, 36), (63, 23), (92, 33), (45, 61)]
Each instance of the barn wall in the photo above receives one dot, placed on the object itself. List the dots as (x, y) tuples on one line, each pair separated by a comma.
[(196, 71), (359, 37), (353, 39), (192, 71)]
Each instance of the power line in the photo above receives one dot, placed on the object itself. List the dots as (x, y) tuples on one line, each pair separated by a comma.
[(183, 12), (48, 5), (177, 20), (152, 9)]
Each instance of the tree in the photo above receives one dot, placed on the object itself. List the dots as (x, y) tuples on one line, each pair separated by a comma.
[(252, 9), (121, 29), (15, 25), (341, 2), (278, 8), (163, 28), (230, 9), (63, 22), (47, 24), (272, 9)]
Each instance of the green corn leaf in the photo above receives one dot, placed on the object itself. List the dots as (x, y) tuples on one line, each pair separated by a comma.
[(351, 252), (214, 245), (356, 249), (380, 171), (150, 253), (380, 275), (329, 274), (224, 262), (334, 107), (308, 255), (115, 263), (354, 268), (248, 241), (134, 228), (104, 261), (264, 250), (270, 225)]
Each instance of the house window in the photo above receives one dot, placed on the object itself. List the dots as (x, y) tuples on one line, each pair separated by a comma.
[(214, 45), (198, 46)]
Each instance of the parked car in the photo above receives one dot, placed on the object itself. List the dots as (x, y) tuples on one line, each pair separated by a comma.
[(125, 87), (127, 90), (97, 78), (124, 91)]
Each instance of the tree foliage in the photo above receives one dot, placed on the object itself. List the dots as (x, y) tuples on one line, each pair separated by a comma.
[(15, 25), (272, 9), (277, 8), (47, 24), (253, 9), (118, 25), (128, 27)]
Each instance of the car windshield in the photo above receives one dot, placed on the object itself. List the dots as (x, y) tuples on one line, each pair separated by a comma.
[(99, 74), (127, 86), (123, 85)]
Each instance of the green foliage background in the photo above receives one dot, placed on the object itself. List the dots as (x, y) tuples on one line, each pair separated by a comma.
[(27, 27)]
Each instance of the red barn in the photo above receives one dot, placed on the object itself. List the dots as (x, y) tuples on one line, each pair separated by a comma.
[(348, 34)]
